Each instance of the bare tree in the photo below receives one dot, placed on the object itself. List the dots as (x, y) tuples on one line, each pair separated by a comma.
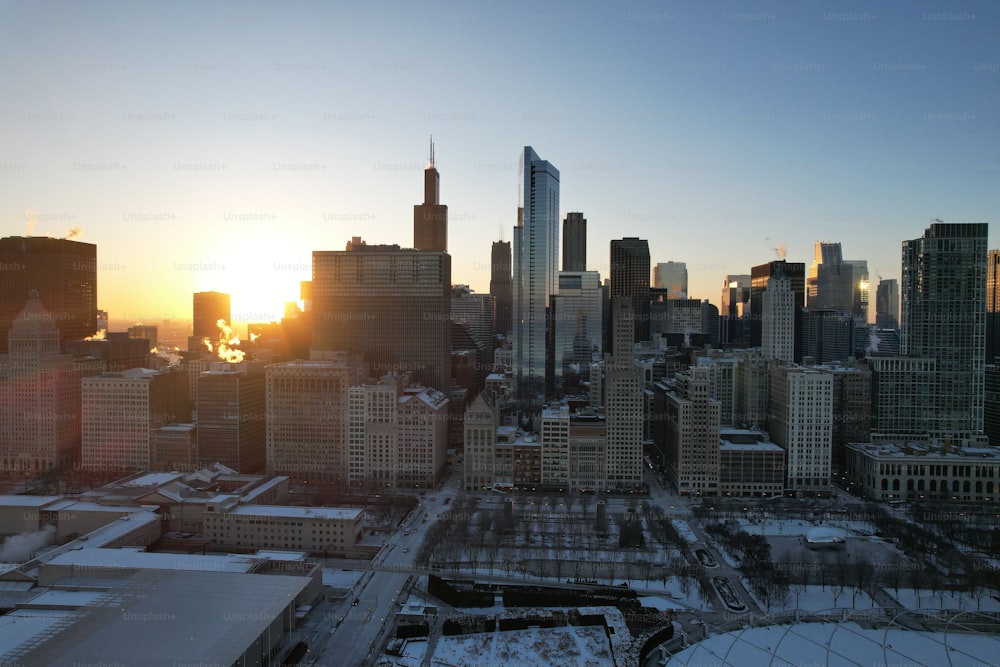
[(917, 579), (840, 576)]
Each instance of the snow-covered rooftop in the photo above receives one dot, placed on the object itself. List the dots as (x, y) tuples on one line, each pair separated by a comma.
[(328, 513), (123, 559)]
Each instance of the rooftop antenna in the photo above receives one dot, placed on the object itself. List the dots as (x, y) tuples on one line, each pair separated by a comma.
[(432, 150)]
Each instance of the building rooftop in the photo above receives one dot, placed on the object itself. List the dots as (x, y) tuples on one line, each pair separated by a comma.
[(925, 450), (749, 447), (27, 501), (152, 479), (159, 619), (329, 513), (129, 559)]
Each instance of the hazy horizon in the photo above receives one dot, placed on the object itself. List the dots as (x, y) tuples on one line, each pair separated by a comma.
[(209, 147)]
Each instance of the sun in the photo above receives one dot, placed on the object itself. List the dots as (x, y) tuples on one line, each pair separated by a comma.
[(262, 274)]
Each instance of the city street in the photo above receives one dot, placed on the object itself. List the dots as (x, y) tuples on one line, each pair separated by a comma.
[(355, 634)]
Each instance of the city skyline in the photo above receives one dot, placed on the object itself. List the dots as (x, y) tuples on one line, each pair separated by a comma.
[(224, 165)]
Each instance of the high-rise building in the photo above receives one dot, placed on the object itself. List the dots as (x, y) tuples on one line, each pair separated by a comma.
[(944, 311), (828, 335), (692, 419), (852, 407), (574, 242), (39, 395), (991, 404), (121, 413), (887, 304), (624, 406), (396, 435), (536, 266), (901, 390), (388, 304), (306, 428), (231, 416), (673, 277), (630, 277), (209, 308), (992, 306), (759, 275), (722, 370), (577, 322), (801, 423), (501, 287), (735, 310), (141, 331), (778, 319), (480, 426), (63, 272), (430, 219)]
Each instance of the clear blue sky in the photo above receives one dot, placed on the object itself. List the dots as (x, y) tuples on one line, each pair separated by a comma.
[(185, 137)]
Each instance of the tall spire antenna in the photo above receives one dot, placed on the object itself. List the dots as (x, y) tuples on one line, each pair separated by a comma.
[(432, 150)]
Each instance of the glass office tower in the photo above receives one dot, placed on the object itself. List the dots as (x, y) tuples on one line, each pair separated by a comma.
[(536, 266)]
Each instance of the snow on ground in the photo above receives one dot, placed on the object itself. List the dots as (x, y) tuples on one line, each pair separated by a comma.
[(338, 578), (682, 527), (815, 598), (801, 527), (413, 654), (570, 645), (661, 603), (944, 600), (675, 591)]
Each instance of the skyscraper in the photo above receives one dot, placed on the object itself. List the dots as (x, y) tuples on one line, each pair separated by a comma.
[(430, 219), (796, 274), (836, 283), (577, 323), (673, 277), (501, 286), (801, 423), (389, 304), (209, 308), (778, 319), (63, 272), (307, 415), (536, 265), (231, 416), (887, 304), (39, 395), (630, 277), (992, 306), (944, 311), (692, 419), (574, 242), (122, 411), (624, 402)]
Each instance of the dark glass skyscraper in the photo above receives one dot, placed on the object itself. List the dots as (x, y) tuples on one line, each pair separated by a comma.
[(430, 219), (501, 286), (209, 308), (64, 273), (574, 242), (389, 304), (943, 294), (630, 277), (887, 304), (536, 267)]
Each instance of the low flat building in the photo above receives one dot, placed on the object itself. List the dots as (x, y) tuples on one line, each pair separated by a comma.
[(323, 530), (161, 618), (960, 470), (750, 465)]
